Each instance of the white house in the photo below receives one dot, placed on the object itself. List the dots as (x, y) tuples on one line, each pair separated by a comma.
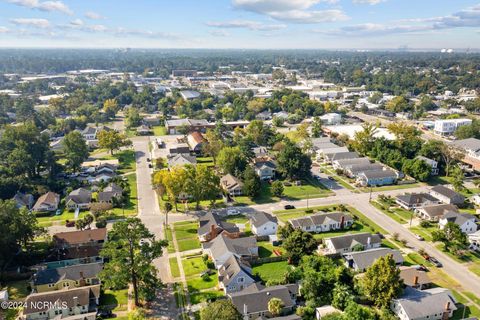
[(322, 222), (263, 224), (234, 275), (432, 163), (331, 118), (465, 221), (449, 126), (346, 243)]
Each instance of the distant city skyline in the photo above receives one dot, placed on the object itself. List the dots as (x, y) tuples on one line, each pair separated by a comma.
[(241, 24)]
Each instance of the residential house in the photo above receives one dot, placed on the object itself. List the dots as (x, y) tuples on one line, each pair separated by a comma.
[(432, 304), (78, 199), (435, 212), (354, 170), (377, 178), (234, 275), (263, 224), (99, 177), (432, 163), (466, 221), (174, 126), (62, 304), (23, 200), (411, 201), (71, 239), (265, 115), (260, 152), (322, 222), (265, 169), (111, 193), (346, 243), (210, 226), (231, 185), (47, 202), (223, 247), (179, 148), (361, 260), (471, 147), (414, 278), (189, 94), (69, 277), (324, 311), (447, 195), (181, 160), (252, 302), (331, 156), (144, 130), (331, 118), (196, 141), (344, 164), (474, 240)]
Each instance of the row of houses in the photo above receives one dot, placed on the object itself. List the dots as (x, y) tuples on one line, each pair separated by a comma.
[(67, 285)]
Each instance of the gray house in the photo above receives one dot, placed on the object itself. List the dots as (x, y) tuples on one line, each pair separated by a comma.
[(447, 195), (412, 201), (322, 222), (222, 248), (78, 199), (361, 260), (346, 243), (234, 275)]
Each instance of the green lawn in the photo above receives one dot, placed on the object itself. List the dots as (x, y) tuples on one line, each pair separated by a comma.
[(265, 249), (206, 161), (169, 238), (204, 296), (174, 269), (126, 160), (426, 233), (130, 208), (116, 298), (193, 266), (398, 214), (186, 235), (357, 227), (159, 131), (271, 271), (285, 215), (18, 290), (391, 187), (198, 283)]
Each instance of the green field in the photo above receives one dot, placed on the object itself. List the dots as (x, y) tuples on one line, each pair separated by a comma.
[(174, 269), (193, 266), (118, 299), (186, 235), (159, 131), (197, 283), (271, 271), (204, 296)]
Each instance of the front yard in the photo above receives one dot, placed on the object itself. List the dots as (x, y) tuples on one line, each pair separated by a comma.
[(202, 283), (186, 235)]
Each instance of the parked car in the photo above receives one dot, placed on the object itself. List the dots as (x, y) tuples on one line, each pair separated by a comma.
[(331, 178), (105, 314), (58, 212), (232, 212), (289, 206), (150, 166), (69, 224), (419, 237), (148, 159), (435, 262)]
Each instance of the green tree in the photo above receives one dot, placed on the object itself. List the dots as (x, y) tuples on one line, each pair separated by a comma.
[(220, 309), (112, 140), (75, 150), (354, 311), (275, 306), (364, 140), (201, 183), (214, 145), (130, 252), (342, 296), (381, 282), (452, 237), (231, 160), (277, 188), (132, 118), (110, 107), (171, 182), (458, 178), (298, 244), (252, 185), (293, 163), (397, 104), (417, 168), (316, 127)]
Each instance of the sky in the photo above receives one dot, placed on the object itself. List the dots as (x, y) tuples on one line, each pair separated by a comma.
[(247, 24)]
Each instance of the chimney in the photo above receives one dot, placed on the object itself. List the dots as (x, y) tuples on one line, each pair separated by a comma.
[(415, 280), (342, 222), (82, 275), (447, 306), (213, 231), (369, 240)]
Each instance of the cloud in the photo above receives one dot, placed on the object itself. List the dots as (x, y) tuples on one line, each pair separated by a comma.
[(219, 33), (49, 6), (93, 15), (246, 24), (294, 11), (370, 2), (4, 30), (77, 22), (31, 22), (466, 18)]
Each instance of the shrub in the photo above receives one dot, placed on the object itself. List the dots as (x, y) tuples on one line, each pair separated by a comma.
[(425, 224)]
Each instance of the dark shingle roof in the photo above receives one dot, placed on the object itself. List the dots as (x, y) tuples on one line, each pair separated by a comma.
[(364, 259), (416, 198), (258, 219), (232, 267), (319, 219), (212, 219), (75, 273), (447, 192), (350, 240)]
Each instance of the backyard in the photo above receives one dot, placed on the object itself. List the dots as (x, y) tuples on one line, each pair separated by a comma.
[(202, 283), (271, 271)]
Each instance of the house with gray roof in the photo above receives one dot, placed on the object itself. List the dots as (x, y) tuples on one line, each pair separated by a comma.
[(232, 185), (234, 275), (23, 200), (346, 243), (432, 163), (74, 302), (265, 169), (222, 248), (361, 260), (69, 277), (344, 164), (447, 195), (181, 160), (414, 278), (263, 224), (435, 212), (211, 225), (353, 170), (330, 157), (411, 201), (322, 222), (432, 304), (189, 94), (467, 222), (252, 302), (376, 178), (174, 125), (471, 147), (80, 198)]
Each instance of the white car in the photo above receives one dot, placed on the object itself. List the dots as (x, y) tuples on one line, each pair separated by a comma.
[(232, 212)]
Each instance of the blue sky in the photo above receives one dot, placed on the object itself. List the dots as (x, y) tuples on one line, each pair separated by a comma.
[(316, 24)]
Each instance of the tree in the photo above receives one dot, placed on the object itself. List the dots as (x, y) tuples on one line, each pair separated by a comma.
[(293, 163), (18, 227), (354, 311), (231, 160), (112, 140), (220, 309), (342, 296), (130, 252), (407, 140), (75, 150), (450, 156), (452, 237), (397, 104), (214, 144), (132, 118), (258, 132), (201, 183), (298, 244), (172, 182), (417, 168), (381, 282), (278, 121), (275, 306), (277, 188), (363, 140), (316, 127), (285, 231), (110, 107), (458, 178), (252, 185)]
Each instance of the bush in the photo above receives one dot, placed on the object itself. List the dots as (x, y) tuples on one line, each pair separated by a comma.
[(425, 224), (101, 223), (210, 264), (205, 277)]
